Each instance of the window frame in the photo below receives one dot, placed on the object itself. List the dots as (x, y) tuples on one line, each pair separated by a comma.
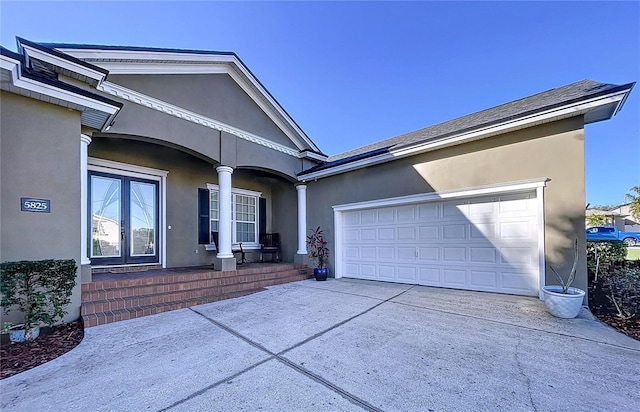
[(234, 192)]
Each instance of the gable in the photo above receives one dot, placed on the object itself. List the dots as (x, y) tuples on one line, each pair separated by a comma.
[(216, 96)]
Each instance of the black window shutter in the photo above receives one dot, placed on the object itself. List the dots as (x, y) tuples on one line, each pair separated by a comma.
[(262, 223), (203, 216)]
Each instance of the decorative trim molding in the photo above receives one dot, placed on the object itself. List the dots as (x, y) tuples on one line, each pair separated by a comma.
[(235, 190), (509, 187), (564, 112), (128, 169), (184, 114), (542, 271)]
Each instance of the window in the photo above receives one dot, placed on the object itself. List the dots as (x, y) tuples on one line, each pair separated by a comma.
[(244, 214)]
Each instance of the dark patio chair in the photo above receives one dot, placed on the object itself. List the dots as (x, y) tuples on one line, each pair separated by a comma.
[(243, 257), (270, 243)]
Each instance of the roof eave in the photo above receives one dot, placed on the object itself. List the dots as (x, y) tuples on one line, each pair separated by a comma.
[(63, 63), (613, 100), (59, 93)]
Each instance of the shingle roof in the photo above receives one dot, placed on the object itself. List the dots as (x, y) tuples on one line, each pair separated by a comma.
[(519, 108)]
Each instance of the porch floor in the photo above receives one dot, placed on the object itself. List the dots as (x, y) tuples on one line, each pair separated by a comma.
[(111, 297)]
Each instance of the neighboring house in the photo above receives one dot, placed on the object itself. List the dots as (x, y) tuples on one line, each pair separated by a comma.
[(619, 216), (167, 146)]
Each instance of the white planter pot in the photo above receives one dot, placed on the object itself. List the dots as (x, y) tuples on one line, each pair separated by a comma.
[(563, 305)]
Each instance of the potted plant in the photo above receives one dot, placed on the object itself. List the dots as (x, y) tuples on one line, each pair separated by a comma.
[(319, 253), (562, 300), (38, 289)]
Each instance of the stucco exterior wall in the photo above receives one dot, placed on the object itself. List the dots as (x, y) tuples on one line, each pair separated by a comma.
[(138, 122), (554, 150), (216, 96), (186, 174), (40, 158)]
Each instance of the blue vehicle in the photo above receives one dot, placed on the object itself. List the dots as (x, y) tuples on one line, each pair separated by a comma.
[(612, 233)]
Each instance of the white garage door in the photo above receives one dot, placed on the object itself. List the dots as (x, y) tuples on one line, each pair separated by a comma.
[(486, 244)]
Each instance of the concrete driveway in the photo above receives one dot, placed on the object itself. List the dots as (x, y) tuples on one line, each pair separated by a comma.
[(342, 345)]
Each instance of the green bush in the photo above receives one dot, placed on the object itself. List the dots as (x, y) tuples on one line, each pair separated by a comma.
[(609, 252), (622, 285), (39, 289)]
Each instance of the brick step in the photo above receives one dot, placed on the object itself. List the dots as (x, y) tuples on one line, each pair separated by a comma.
[(185, 277), (110, 301), (102, 318), (110, 290), (122, 301)]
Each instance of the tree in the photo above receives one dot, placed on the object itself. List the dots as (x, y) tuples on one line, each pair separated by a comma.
[(634, 200), (597, 220)]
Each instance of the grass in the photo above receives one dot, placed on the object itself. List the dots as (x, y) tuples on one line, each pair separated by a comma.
[(633, 253)]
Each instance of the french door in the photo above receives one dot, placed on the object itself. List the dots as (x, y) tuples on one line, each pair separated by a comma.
[(124, 219)]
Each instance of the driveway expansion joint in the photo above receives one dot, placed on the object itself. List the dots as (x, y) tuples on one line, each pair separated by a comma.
[(279, 356)]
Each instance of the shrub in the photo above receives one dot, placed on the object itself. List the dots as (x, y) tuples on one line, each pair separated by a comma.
[(608, 252), (39, 289), (622, 285)]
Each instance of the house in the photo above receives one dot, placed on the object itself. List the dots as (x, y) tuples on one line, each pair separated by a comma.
[(620, 216), (167, 147)]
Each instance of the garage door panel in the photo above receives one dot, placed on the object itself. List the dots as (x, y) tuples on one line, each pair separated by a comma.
[(483, 231), (481, 209), (386, 272), (454, 231), (385, 252), (454, 277), (429, 253), (407, 233), (483, 279), (429, 276), (367, 234), (386, 215), (482, 255), (407, 273), (519, 255), (520, 230), (368, 217), (351, 235), (428, 233), (386, 233), (454, 254), (406, 213), (407, 253), (352, 252), (488, 244), (351, 219), (517, 282), (368, 271), (429, 211), (351, 270)]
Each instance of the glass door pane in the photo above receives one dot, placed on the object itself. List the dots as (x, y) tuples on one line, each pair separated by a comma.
[(106, 206), (142, 215)]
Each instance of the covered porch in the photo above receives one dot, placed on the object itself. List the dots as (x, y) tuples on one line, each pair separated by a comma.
[(192, 211)]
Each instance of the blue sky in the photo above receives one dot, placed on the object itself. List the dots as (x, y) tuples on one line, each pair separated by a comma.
[(355, 73)]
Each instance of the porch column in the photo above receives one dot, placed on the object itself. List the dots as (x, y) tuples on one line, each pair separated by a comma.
[(84, 228), (224, 183), (302, 219)]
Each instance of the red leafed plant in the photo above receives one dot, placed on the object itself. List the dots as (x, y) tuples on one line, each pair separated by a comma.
[(318, 250)]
